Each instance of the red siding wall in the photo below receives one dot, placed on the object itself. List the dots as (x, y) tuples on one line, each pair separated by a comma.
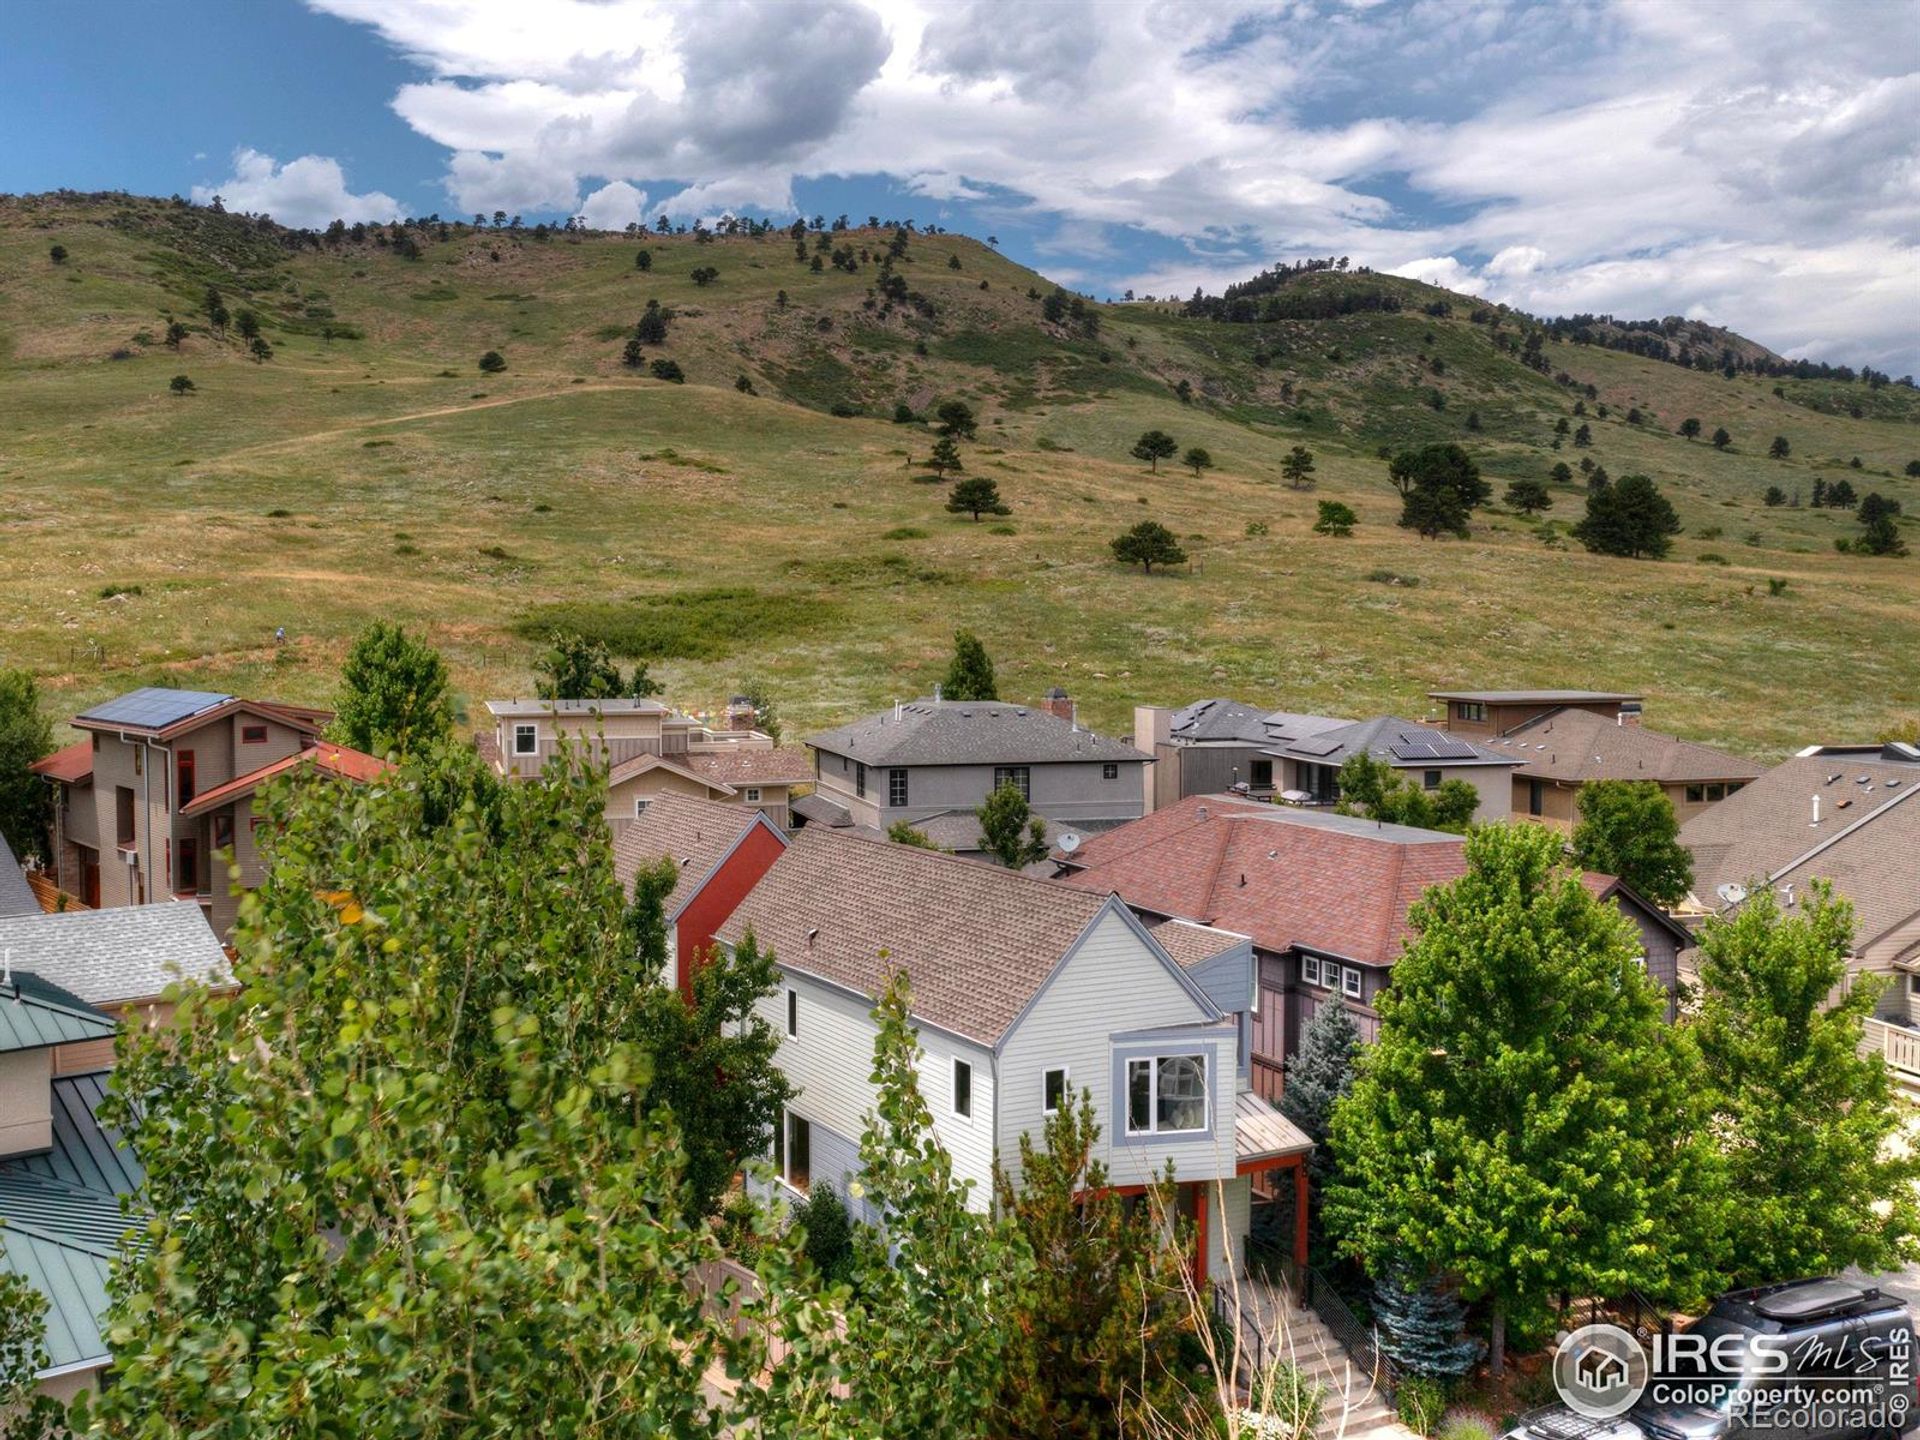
[(720, 896)]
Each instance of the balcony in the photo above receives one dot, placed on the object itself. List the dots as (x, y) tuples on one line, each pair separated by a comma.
[(1899, 1046)]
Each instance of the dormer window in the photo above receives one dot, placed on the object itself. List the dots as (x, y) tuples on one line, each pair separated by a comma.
[(526, 739)]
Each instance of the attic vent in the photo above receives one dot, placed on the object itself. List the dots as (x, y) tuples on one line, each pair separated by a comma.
[(1832, 778)]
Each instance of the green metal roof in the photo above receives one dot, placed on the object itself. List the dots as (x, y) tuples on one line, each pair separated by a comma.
[(62, 1240), (36, 1013), (62, 1219), (85, 1153)]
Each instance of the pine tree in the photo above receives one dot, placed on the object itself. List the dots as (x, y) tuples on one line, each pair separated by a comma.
[(1319, 1073), (1629, 518), (1298, 468), (1153, 447), (1147, 544), (977, 496), (1423, 1327), (945, 457), (970, 672)]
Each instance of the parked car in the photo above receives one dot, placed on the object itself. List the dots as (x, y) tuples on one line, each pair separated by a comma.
[(1808, 1360)]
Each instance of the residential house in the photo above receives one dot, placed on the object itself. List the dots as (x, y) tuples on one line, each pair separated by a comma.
[(1567, 743), (1214, 746), (932, 763), (62, 1174), (126, 828), (1481, 714), (719, 852), (1025, 993), (119, 961), (650, 750), (1324, 898), (1844, 814), (1310, 764)]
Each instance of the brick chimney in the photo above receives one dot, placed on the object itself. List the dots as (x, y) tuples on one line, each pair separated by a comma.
[(1629, 713), (1060, 704)]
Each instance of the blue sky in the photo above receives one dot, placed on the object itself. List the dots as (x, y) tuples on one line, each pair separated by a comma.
[(1753, 164)]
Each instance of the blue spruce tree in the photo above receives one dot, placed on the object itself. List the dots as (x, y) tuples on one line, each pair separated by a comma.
[(1422, 1326)]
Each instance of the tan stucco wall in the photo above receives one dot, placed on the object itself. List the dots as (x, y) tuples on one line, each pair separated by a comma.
[(26, 1101)]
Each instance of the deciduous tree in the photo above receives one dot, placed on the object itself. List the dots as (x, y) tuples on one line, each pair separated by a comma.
[(1010, 831), (26, 735), (1627, 828), (1811, 1128), (1526, 1121), (577, 668)]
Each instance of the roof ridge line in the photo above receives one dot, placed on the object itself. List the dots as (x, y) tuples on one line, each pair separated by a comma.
[(1050, 885), (1839, 835)]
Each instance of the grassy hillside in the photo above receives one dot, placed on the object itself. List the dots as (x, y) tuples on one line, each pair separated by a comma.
[(379, 473)]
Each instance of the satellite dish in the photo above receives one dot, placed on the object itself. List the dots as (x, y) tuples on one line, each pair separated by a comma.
[(1069, 842), (1295, 797), (1731, 893)]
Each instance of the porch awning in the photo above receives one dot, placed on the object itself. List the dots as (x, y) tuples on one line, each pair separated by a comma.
[(1262, 1136)]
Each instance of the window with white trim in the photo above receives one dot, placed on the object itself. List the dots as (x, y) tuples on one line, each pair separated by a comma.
[(1110, 771), (896, 787), (1167, 1095), (1053, 1087), (1310, 969), (1350, 980), (753, 796), (640, 803), (962, 1089), (793, 1151), (526, 739), (793, 1012)]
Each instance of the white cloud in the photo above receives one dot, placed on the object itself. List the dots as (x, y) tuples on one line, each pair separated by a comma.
[(1634, 155), (615, 206), (307, 192)]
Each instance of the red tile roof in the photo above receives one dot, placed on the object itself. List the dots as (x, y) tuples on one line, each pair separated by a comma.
[(75, 762), (1286, 877), (335, 760)]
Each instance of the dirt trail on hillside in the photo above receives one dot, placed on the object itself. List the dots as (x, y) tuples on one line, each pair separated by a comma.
[(316, 437)]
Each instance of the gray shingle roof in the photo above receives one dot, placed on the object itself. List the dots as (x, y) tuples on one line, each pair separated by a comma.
[(969, 732), (1577, 746), (16, 896), (818, 810), (1398, 742), (111, 957), (1867, 842), (976, 941), (1219, 721)]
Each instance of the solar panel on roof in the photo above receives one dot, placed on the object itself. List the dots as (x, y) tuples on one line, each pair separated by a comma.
[(154, 707), (1431, 747), (1315, 746)]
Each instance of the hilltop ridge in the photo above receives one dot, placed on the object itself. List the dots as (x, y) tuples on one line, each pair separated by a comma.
[(370, 467)]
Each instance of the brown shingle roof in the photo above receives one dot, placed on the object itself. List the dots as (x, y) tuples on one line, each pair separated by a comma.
[(976, 941), (1867, 842), (696, 833), (1286, 877), (1576, 746), (743, 765)]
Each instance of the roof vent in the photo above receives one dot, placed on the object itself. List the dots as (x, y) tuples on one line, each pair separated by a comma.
[(810, 934), (1201, 813)]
